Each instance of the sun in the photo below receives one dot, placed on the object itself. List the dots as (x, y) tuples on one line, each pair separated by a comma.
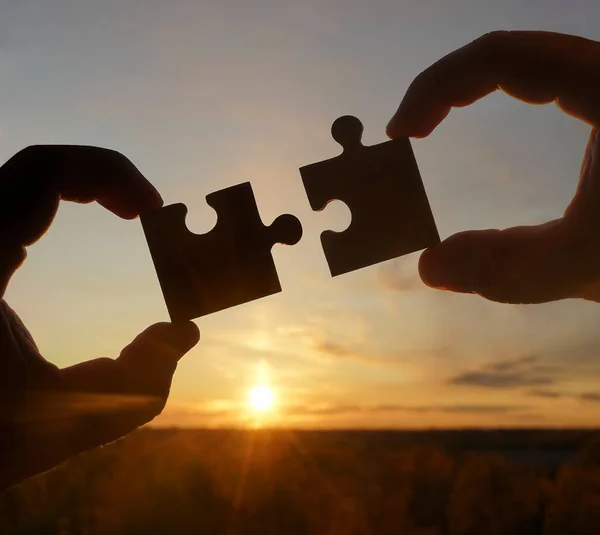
[(261, 398)]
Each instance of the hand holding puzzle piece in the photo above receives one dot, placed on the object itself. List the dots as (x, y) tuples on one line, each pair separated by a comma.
[(232, 264)]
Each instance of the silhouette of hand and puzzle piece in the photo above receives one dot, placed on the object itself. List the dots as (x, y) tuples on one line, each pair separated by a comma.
[(382, 187), (230, 265)]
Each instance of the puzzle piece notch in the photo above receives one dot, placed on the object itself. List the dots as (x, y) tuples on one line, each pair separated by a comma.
[(382, 187), (347, 131), (230, 265), (245, 224)]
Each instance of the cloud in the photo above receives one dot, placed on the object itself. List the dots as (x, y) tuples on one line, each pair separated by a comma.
[(407, 358), (582, 354), (227, 412), (590, 396), (512, 364), (340, 351), (399, 277), (336, 350), (510, 373), (184, 414), (499, 380), (548, 394), (593, 397), (469, 408), (322, 410), (339, 409)]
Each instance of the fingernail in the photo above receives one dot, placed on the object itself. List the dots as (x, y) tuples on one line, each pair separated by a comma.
[(442, 273), (151, 200), (399, 127), (429, 270), (392, 127), (185, 335)]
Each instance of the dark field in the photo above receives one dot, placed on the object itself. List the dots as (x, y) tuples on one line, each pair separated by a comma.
[(330, 483)]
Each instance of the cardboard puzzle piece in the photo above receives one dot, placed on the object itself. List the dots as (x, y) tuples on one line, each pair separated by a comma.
[(383, 189), (230, 265)]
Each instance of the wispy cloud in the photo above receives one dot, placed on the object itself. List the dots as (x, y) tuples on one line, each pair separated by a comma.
[(399, 276), (201, 414), (337, 350), (469, 408), (500, 380), (227, 412), (407, 358), (322, 410), (547, 394), (339, 409), (512, 364), (510, 373), (340, 351)]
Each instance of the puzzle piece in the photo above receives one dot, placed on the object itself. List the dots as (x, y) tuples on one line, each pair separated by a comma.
[(230, 265), (382, 187)]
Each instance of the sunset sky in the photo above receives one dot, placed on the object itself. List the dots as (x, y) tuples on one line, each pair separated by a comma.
[(202, 95)]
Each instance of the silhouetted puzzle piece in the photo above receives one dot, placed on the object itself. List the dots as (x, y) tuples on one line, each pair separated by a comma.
[(230, 265), (382, 187)]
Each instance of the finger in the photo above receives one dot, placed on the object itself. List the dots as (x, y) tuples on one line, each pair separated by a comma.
[(34, 180), (151, 359), (587, 197), (536, 67), (518, 265), (144, 367)]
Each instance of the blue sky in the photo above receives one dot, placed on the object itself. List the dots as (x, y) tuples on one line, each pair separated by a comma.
[(204, 95)]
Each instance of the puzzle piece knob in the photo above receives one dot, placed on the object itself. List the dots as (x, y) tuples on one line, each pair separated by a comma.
[(286, 229), (347, 131)]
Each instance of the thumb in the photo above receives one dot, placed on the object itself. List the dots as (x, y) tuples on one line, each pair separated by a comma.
[(11, 258), (144, 367), (149, 362), (531, 264)]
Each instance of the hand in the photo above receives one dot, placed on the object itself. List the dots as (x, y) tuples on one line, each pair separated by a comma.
[(530, 264), (47, 414)]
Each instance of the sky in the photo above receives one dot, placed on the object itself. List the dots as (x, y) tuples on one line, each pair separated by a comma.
[(205, 95)]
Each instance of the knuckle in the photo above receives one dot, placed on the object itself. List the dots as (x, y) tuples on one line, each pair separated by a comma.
[(494, 42), (492, 49), (33, 153), (104, 361), (115, 154), (34, 149), (35, 163), (493, 38), (423, 80), (118, 162), (421, 77), (118, 157)]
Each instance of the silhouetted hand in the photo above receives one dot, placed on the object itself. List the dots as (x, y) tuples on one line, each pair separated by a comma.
[(46, 414), (530, 264)]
